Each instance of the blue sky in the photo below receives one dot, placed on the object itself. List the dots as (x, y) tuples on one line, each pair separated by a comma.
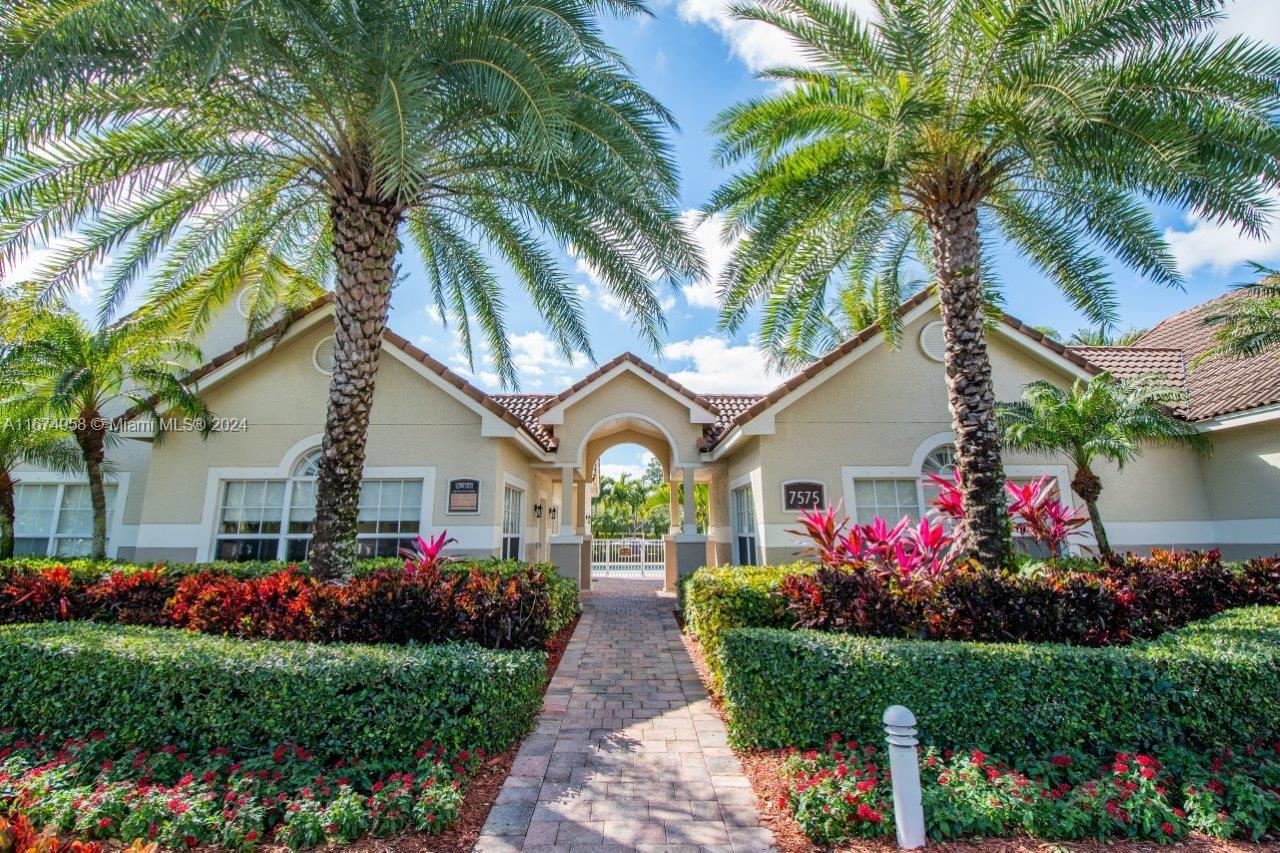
[(698, 61)]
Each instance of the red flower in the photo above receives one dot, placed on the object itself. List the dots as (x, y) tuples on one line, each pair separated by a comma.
[(865, 812), (1062, 761), (1166, 828)]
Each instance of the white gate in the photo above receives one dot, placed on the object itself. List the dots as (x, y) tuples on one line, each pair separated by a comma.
[(628, 558)]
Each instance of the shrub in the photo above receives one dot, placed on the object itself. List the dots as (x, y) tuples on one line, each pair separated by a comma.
[(789, 688), (496, 603), (157, 686), (132, 598), (725, 597), (855, 602)]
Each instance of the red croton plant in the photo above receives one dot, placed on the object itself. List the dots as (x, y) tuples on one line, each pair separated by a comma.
[(915, 555)]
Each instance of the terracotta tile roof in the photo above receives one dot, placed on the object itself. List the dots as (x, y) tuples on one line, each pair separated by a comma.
[(1217, 385), (638, 362), (1133, 361), (523, 407), (730, 406)]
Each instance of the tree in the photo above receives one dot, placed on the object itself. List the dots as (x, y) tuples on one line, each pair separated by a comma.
[(209, 145), (61, 371), (1103, 418), (919, 138), (619, 503), (1248, 324), (1103, 337), (27, 440)]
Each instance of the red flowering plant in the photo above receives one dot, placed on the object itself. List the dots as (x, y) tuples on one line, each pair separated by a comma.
[(132, 598), (426, 553), (843, 791), (1035, 509), (180, 801)]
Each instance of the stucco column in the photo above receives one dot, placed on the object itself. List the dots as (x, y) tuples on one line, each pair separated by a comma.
[(566, 500), (580, 509), (690, 512), (719, 533), (673, 508)]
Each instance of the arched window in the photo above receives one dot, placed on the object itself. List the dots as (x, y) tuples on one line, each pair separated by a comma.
[(272, 519)]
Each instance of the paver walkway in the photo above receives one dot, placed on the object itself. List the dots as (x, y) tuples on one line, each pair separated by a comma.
[(628, 752)]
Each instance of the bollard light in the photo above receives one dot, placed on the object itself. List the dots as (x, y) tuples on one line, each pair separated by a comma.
[(904, 766)]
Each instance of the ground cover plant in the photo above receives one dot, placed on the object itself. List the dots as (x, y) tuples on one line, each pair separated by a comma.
[(87, 790), (499, 604), (843, 791)]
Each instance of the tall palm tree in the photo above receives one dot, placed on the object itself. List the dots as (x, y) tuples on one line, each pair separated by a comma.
[(204, 142), (64, 372), (1103, 418), (27, 438), (920, 137), (1248, 325)]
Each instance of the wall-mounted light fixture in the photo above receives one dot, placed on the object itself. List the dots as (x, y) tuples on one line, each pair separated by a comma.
[(537, 510), (552, 515)]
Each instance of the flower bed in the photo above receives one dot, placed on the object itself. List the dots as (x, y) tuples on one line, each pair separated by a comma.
[(92, 792), (148, 687), (1191, 687), (1071, 601), (496, 604), (844, 791)]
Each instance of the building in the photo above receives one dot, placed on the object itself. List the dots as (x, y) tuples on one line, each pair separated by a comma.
[(511, 474)]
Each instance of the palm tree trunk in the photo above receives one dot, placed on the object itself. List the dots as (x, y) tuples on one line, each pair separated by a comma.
[(92, 439), (364, 249), (7, 515), (985, 534), (1086, 484)]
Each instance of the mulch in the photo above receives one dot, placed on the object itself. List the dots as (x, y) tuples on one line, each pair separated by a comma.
[(763, 768)]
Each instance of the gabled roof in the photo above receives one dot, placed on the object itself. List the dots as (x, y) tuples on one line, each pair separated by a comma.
[(626, 358), (523, 407)]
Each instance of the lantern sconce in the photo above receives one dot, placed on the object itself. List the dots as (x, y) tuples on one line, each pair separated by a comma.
[(537, 510)]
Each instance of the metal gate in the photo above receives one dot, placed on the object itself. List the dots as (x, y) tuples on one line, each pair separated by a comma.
[(628, 558)]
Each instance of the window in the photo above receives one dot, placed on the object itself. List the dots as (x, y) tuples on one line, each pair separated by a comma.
[(888, 499), (512, 521), (744, 526), (56, 519), (940, 463), (274, 519)]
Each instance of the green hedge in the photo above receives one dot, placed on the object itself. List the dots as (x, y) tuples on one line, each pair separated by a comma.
[(718, 599), (157, 686), (565, 605), (1216, 681)]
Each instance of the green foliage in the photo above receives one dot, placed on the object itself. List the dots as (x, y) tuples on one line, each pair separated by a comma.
[(717, 599), (1247, 323), (1192, 687), (155, 686), (1059, 123)]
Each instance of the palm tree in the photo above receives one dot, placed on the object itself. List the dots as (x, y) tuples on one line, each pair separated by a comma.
[(917, 139), (30, 440), (622, 497), (1103, 418), (1248, 325), (1104, 337), (62, 371), (206, 143)]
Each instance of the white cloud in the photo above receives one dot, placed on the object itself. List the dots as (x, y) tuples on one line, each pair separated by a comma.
[(633, 470), (538, 361), (1205, 244), (716, 251), (757, 45), (719, 367)]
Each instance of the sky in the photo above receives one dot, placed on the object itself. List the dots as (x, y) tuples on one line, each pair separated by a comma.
[(698, 61)]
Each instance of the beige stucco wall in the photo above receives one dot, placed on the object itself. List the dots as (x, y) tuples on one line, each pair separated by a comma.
[(884, 405), (1242, 477), (283, 397), (627, 393)]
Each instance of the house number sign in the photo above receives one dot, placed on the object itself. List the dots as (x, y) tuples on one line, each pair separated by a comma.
[(800, 495), (464, 496)]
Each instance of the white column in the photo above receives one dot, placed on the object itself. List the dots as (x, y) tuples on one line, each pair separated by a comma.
[(673, 505), (690, 513), (566, 500)]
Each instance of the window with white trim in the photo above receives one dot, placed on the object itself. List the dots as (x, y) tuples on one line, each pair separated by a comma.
[(887, 498), (743, 515), (56, 519), (512, 521), (274, 519)]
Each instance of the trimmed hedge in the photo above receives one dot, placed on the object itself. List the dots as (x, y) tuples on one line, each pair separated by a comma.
[(155, 686), (1212, 682), (718, 599)]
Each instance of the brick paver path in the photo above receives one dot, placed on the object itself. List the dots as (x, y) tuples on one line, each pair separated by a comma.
[(628, 752)]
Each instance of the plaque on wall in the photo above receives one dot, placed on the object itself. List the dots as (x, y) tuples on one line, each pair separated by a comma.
[(799, 495), (464, 496)]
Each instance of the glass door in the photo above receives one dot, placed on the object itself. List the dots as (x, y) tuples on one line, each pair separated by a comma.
[(512, 522)]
